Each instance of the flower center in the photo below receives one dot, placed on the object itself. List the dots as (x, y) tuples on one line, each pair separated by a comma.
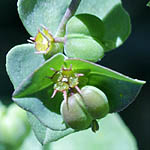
[(65, 81)]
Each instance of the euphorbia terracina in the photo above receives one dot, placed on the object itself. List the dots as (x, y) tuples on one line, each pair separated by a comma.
[(95, 28)]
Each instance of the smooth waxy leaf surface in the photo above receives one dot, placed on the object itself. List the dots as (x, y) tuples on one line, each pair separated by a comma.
[(84, 34), (49, 13)]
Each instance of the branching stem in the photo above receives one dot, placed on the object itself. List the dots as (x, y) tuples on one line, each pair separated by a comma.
[(68, 14)]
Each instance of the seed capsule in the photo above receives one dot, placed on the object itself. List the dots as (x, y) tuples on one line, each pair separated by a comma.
[(74, 113), (83, 109), (95, 101)]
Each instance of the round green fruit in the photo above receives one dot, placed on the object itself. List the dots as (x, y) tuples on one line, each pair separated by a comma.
[(80, 110), (74, 113), (95, 101)]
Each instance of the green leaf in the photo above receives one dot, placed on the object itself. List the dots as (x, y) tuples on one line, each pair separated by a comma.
[(49, 115), (21, 61), (47, 110), (120, 89), (45, 135), (21, 57), (113, 135), (41, 104), (49, 13), (86, 24), (84, 34), (38, 128), (115, 19), (40, 78), (46, 12), (148, 4)]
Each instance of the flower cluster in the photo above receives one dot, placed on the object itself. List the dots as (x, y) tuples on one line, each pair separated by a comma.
[(66, 81), (43, 41)]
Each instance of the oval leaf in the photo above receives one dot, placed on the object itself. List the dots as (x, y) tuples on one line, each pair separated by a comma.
[(84, 34)]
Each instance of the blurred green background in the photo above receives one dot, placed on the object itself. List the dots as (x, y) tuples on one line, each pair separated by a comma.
[(132, 59)]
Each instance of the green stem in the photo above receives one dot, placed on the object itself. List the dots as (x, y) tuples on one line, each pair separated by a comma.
[(68, 14), (46, 146)]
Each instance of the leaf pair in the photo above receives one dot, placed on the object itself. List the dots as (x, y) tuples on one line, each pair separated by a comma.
[(87, 36), (34, 92)]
